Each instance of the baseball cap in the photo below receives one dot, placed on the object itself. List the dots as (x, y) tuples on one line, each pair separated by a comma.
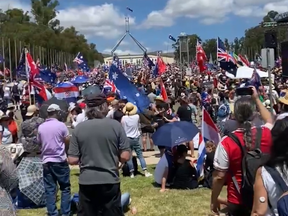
[(53, 108), (31, 110)]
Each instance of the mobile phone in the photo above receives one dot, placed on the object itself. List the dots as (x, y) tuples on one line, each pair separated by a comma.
[(244, 91)]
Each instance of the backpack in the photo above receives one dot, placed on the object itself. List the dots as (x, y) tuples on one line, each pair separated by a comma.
[(282, 203), (223, 110), (15, 90), (251, 161)]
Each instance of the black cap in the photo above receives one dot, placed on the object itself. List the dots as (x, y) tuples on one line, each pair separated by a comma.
[(94, 100)]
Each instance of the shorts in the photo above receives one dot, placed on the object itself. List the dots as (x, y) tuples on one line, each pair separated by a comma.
[(147, 129), (16, 98)]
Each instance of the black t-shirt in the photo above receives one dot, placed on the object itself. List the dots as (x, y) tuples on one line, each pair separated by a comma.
[(184, 113), (118, 115), (223, 78), (160, 120), (185, 176)]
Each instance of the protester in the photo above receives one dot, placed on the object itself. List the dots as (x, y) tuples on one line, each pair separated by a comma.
[(54, 138), (131, 122), (99, 143), (228, 155), (268, 191)]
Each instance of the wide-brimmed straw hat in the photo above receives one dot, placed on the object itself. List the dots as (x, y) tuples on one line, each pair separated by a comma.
[(130, 109), (3, 116), (284, 99), (159, 98)]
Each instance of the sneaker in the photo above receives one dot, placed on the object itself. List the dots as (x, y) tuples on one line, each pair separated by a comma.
[(147, 174), (132, 175)]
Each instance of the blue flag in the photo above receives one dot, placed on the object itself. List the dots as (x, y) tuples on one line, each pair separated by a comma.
[(81, 62), (127, 90), (148, 61), (1, 59), (47, 76), (227, 62), (172, 38)]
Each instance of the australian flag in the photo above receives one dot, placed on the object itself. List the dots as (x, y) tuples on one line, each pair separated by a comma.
[(47, 75), (227, 62), (81, 62), (148, 61), (21, 69), (127, 90)]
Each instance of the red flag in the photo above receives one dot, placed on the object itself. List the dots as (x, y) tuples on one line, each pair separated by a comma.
[(244, 60), (32, 66), (161, 66), (163, 91), (34, 71), (201, 57)]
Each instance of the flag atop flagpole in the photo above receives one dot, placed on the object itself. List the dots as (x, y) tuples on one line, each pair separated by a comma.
[(129, 9)]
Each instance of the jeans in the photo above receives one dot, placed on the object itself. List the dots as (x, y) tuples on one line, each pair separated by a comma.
[(135, 145), (125, 199), (102, 199), (57, 173)]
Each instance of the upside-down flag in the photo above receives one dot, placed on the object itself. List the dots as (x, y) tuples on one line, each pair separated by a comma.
[(209, 133)]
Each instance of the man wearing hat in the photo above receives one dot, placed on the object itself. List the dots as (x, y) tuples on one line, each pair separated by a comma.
[(54, 138), (29, 130), (100, 143)]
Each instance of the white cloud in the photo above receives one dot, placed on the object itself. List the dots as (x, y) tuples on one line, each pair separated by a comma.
[(120, 52), (211, 11), (99, 20), (7, 4)]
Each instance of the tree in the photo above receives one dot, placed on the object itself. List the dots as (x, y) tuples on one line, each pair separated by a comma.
[(250, 44), (44, 36)]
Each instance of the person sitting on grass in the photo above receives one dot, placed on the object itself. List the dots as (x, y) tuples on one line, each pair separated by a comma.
[(208, 166), (185, 172), (164, 171)]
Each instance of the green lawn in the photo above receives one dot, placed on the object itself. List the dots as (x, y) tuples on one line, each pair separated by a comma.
[(149, 201)]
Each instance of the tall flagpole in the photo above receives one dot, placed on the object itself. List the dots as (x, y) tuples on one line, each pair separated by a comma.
[(27, 75)]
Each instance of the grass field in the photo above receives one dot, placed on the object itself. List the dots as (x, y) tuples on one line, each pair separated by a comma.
[(149, 201)]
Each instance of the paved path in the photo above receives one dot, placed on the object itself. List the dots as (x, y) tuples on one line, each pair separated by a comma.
[(151, 158)]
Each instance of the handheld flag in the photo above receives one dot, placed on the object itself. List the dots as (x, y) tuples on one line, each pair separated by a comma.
[(255, 79), (172, 38), (148, 61), (81, 62), (201, 56), (127, 89), (209, 133), (227, 62)]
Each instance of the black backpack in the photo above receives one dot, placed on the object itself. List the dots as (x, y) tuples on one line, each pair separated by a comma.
[(251, 161)]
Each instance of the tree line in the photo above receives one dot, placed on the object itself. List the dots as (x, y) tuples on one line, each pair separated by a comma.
[(250, 44), (43, 35)]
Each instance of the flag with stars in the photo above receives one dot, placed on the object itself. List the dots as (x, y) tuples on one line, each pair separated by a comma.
[(81, 62), (227, 62), (127, 89), (47, 75)]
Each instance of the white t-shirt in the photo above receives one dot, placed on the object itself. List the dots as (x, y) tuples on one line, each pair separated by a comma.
[(6, 92), (131, 125), (79, 118), (6, 135), (273, 190)]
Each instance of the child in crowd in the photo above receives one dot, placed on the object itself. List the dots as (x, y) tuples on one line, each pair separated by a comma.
[(208, 167)]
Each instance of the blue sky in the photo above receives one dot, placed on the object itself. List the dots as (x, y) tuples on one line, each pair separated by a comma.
[(102, 21)]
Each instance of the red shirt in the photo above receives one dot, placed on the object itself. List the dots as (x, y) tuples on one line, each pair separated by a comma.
[(228, 158)]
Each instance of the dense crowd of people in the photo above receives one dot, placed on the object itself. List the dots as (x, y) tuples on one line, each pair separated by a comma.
[(107, 128)]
